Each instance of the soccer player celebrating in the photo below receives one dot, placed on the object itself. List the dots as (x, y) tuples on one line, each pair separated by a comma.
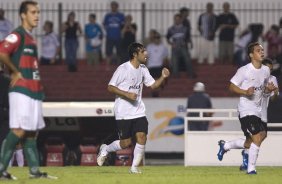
[(251, 83), (18, 52), (127, 84), (264, 103)]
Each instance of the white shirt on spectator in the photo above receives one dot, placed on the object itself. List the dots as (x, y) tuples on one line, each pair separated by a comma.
[(50, 43), (157, 53), (6, 27)]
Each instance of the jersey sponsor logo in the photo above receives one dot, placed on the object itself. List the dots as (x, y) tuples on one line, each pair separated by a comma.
[(11, 38), (260, 88), (28, 50), (134, 87)]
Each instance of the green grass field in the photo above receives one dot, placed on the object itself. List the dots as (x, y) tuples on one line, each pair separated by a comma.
[(151, 174)]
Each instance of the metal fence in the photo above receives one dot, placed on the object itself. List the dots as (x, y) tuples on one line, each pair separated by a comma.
[(149, 15)]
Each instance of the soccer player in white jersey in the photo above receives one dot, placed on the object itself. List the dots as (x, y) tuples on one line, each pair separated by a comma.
[(127, 84), (251, 83), (264, 104)]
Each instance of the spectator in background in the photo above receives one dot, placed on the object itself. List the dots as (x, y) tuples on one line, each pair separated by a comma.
[(5, 25), (251, 34), (150, 38), (72, 29), (227, 23), (157, 59), (207, 27), (93, 38), (128, 34), (184, 13), (240, 50), (199, 100), (177, 38), (4, 104), (18, 156), (50, 45), (113, 22), (274, 42)]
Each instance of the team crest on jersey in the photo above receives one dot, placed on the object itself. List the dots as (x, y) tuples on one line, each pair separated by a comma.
[(11, 38)]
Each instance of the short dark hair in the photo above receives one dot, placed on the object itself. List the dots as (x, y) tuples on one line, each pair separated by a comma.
[(49, 23), (92, 15), (134, 48), (266, 61), (250, 48), (24, 4), (184, 9)]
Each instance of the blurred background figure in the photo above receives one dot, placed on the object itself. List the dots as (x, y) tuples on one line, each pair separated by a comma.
[(18, 156), (274, 42), (251, 34), (207, 26), (128, 36), (4, 104), (50, 45), (199, 100), (177, 38), (6, 26), (158, 58), (227, 23), (93, 38), (184, 13), (150, 37), (113, 22), (71, 28)]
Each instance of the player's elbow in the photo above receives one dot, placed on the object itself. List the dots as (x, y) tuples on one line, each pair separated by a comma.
[(231, 88), (110, 88)]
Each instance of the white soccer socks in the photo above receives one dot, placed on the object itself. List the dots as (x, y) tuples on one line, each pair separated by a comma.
[(138, 154), (253, 155), (234, 144), (114, 146)]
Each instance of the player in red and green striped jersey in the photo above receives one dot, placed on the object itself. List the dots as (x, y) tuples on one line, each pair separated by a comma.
[(18, 52)]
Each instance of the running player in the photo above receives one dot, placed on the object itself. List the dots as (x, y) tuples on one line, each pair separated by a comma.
[(251, 83), (127, 84), (265, 100)]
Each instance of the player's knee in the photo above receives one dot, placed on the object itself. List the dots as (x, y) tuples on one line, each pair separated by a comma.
[(125, 143), (141, 138), (18, 132)]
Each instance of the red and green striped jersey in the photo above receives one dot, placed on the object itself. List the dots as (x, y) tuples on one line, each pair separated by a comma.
[(22, 49)]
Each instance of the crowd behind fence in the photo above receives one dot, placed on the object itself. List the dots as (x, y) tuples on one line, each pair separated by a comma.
[(149, 15)]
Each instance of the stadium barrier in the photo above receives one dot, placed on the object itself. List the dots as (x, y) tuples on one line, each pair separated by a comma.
[(201, 147), (78, 109)]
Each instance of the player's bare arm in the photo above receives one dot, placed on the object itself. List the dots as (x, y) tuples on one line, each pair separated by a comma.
[(16, 75), (121, 93), (159, 81), (235, 89)]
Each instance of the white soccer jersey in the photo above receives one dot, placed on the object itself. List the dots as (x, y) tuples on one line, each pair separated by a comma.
[(265, 100), (130, 79), (246, 77)]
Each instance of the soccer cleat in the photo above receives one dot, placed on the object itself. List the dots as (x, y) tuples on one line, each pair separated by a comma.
[(42, 175), (252, 172), (221, 150), (102, 155), (7, 176), (243, 168), (244, 165), (135, 170)]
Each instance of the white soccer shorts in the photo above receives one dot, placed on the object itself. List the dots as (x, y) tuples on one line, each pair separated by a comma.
[(25, 112)]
